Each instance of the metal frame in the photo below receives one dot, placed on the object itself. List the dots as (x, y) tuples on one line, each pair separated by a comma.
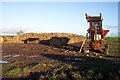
[(96, 33)]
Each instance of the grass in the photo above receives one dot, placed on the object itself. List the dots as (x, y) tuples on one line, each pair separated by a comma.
[(111, 39), (66, 71), (0, 68), (14, 71), (7, 67)]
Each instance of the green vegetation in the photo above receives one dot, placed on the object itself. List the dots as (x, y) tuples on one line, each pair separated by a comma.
[(112, 39), (6, 67), (14, 71), (114, 43), (66, 71)]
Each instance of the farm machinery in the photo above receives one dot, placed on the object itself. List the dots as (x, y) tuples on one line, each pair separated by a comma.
[(96, 36)]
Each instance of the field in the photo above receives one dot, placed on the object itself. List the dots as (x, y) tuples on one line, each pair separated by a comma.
[(44, 62)]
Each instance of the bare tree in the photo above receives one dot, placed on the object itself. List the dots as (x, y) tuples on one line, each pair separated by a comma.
[(20, 32)]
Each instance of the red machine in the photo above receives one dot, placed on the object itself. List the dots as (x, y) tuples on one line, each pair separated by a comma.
[(96, 34)]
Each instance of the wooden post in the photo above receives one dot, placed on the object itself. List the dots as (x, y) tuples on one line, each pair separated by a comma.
[(83, 42)]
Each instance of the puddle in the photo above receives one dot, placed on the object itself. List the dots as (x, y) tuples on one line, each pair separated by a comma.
[(68, 58), (7, 56), (33, 56), (78, 59), (75, 59), (14, 55), (115, 62), (4, 62)]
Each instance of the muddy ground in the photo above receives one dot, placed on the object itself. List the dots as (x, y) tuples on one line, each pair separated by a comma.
[(21, 56)]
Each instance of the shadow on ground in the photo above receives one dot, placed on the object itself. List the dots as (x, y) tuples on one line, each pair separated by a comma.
[(61, 43)]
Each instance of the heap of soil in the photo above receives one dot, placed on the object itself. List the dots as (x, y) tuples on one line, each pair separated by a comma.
[(45, 36)]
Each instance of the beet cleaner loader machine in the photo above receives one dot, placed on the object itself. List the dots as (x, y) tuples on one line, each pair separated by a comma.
[(96, 34)]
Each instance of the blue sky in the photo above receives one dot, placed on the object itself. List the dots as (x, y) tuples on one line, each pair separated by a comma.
[(57, 16)]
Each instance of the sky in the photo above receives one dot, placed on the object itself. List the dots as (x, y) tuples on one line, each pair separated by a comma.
[(56, 16)]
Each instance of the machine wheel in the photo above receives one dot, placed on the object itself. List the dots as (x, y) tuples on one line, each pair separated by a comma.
[(106, 48)]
